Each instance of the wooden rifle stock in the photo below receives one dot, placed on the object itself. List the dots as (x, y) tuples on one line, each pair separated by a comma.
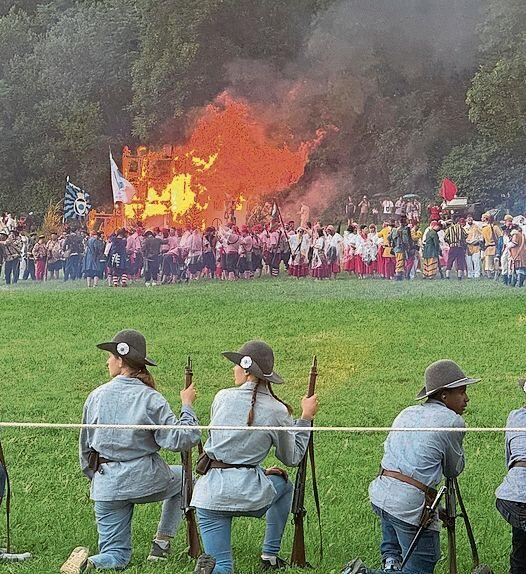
[(194, 544), (298, 557)]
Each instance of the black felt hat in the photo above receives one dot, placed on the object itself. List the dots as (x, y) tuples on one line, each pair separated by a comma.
[(444, 374), (130, 345), (257, 358)]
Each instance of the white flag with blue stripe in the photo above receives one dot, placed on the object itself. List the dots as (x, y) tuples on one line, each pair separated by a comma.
[(123, 190)]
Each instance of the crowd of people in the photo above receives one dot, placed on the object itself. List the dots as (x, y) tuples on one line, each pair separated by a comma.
[(400, 248)]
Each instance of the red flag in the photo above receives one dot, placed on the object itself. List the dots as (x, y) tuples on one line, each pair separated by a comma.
[(448, 190)]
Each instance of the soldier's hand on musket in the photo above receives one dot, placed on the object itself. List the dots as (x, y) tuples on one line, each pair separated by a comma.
[(189, 395), (310, 406)]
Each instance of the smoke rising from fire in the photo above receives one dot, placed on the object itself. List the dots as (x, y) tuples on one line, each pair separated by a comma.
[(355, 53), (288, 131)]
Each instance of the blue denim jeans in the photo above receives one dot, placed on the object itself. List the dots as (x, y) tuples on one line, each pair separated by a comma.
[(396, 539), (72, 267), (515, 514), (216, 526), (114, 523)]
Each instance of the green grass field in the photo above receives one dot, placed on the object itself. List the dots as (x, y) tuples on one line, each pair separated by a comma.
[(373, 340)]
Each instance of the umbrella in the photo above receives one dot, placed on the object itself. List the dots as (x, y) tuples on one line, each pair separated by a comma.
[(410, 196)]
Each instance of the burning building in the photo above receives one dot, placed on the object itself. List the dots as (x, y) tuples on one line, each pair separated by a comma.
[(230, 162)]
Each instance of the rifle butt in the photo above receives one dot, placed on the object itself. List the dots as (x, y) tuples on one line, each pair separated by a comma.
[(194, 544), (298, 557)]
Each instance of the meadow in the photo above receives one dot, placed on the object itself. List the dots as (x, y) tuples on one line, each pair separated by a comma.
[(373, 340)]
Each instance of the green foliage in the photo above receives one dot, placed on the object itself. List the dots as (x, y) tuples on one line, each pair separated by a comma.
[(76, 77), (487, 173), (491, 167)]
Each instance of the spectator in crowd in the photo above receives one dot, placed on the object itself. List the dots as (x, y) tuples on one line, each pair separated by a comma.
[(387, 208), (364, 207), (28, 242), (117, 259), (431, 250), (93, 254), (73, 250), (11, 252), (474, 242), (54, 256), (151, 251), (40, 257), (490, 233), (456, 239)]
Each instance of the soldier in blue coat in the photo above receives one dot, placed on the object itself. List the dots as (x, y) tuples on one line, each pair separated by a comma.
[(412, 467), (124, 466), (511, 494)]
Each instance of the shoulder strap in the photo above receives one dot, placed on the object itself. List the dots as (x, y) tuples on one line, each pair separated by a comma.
[(315, 491)]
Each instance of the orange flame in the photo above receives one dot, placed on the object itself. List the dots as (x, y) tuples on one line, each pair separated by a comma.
[(229, 157)]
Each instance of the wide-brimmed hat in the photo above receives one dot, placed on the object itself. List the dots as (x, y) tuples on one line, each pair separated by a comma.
[(257, 358), (444, 374), (130, 345)]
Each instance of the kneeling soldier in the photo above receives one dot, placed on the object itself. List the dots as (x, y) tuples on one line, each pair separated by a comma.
[(412, 467), (234, 483), (124, 466), (511, 494)]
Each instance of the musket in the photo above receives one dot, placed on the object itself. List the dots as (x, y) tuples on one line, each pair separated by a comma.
[(431, 510), (298, 557), (192, 534)]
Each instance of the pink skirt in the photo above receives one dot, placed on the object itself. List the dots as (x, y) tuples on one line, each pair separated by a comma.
[(359, 265), (321, 272), (301, 270), (348, 264), (389, 267)]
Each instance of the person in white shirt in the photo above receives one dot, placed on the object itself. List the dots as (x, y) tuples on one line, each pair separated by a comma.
[(387, 207)]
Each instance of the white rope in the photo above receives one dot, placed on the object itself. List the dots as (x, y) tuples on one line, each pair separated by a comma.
[(78, 426)]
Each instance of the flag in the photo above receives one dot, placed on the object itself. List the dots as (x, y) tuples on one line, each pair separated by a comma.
[(448, 190), (123, 190), (274, 211), (76, 202)]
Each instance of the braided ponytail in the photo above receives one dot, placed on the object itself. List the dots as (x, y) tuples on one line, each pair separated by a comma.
[(271, 391), (250, 419)]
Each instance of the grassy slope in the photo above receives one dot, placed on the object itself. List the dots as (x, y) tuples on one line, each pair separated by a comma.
[(373, 340)]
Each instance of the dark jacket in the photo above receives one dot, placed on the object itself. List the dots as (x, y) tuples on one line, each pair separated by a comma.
[(151, 247)]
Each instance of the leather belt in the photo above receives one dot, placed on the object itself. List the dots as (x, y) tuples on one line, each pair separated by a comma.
[(427, 490), (519, 463), (219, 464)]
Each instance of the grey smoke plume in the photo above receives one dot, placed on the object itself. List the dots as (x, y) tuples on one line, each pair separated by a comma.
[(358, 53)]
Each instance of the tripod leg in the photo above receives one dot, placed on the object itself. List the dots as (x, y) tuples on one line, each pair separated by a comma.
[(469, 529)]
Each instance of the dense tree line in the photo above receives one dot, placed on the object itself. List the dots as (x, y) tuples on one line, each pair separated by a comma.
[(418, 89)]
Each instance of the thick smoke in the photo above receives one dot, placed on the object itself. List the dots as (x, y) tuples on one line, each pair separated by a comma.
[(356, 53)]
